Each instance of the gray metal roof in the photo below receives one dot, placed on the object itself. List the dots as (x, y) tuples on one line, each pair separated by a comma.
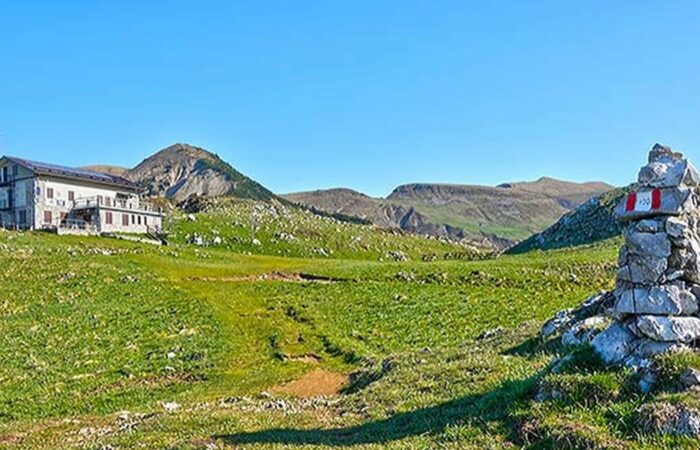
[(54, 170)]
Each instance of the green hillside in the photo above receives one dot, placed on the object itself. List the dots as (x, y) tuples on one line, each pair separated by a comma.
[(272, 228), (110, 344)]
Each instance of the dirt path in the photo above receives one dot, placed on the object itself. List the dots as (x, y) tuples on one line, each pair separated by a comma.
[(317, 383)]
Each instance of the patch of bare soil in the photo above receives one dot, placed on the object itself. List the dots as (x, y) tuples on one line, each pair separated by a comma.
[(273, 276), (317, 383)]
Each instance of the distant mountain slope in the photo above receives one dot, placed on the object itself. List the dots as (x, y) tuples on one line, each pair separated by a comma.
[(591, 222), (384, 213), (182, 170), (505, 213), (511, 210), (109, 170)]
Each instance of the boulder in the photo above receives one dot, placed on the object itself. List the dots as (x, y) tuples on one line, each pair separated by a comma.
[(615, 343), (671, 299), (668, 329)]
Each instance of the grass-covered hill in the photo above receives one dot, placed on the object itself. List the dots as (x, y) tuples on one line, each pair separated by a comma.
[(274, 228), (109, 344), (591, 222)]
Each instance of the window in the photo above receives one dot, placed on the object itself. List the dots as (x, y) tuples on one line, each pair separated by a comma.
[(133, 219), (63, 217), (125, 220), (108, 201), (71, 196), (99, 199), (108, 218), (49, 192), (139, 219), (5, 176), (15, 170), (48, 217), (22, 217), (145, 221)]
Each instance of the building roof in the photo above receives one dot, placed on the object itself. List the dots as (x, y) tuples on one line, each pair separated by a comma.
[(54, 170)]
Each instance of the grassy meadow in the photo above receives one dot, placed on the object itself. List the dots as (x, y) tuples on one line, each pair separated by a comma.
[(109, 344)]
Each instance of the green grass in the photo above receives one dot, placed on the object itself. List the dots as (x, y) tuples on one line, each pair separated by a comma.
[(444, 354), (455, 215), (250, 227)]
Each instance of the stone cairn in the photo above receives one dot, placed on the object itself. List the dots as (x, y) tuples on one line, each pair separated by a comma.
[(654, 307)]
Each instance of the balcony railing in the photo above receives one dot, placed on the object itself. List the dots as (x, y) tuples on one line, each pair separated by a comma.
[(107, 202)]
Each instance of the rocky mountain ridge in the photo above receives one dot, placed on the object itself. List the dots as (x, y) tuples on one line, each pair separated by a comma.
[(182, 171), (501, 215), (494, 217)]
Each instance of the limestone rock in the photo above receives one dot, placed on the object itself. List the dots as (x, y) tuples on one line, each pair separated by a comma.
[(670, 299), (565, 319), (690, 378), (644, 258), (674, 201), (648, 348), (667, 168), (585, 331), (649, 225), (677, 228), (560, 320), (615, 343), (648, 244), (671, 419), (643, 270), (668, 329)]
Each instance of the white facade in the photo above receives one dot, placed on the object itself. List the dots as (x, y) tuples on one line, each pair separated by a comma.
[(36, 196)]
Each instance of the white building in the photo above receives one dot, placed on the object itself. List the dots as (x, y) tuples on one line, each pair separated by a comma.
[(35, 195)]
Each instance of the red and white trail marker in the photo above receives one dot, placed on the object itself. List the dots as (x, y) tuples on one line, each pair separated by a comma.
[(644, 201)]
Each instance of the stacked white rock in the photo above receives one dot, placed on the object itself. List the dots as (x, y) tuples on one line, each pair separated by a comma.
[(658, 280)]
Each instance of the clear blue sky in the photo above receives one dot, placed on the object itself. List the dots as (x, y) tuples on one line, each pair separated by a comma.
[(364, 94)]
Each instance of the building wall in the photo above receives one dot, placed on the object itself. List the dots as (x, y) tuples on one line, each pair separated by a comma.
[(20, 194), (139, 221), (61, 204)]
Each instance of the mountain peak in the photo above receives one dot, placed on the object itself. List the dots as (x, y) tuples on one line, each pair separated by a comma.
[(183, 170)]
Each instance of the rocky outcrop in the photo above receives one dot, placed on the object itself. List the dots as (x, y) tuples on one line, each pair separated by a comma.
[(182, 171)]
